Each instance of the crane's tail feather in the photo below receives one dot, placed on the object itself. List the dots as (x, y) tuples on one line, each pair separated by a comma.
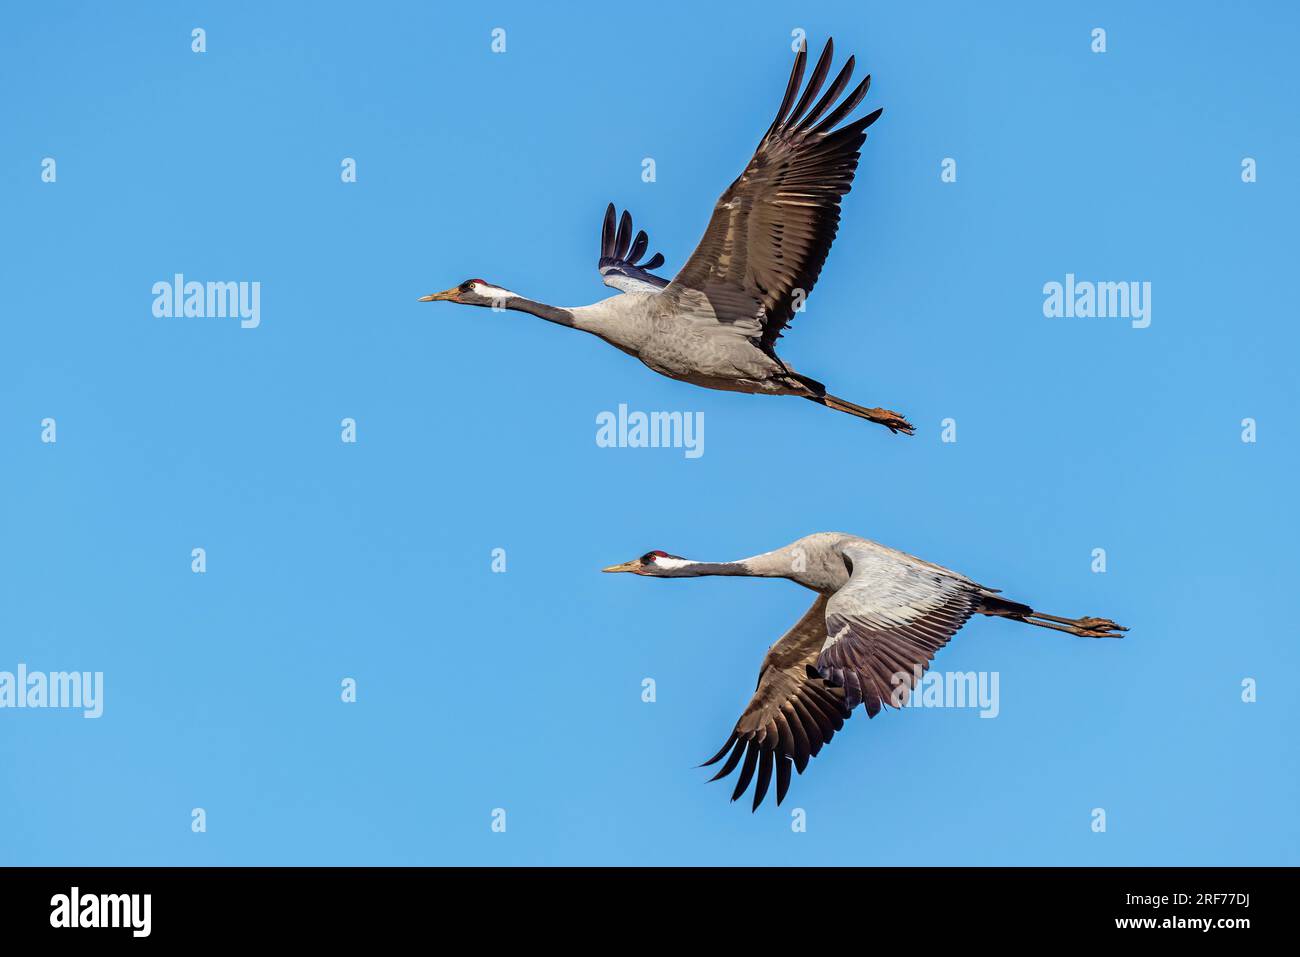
[(890, 420)]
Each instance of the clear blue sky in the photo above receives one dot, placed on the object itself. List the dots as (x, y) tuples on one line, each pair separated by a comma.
[(477, 431)]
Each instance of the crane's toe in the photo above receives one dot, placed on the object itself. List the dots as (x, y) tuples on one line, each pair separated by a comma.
[(1098, 628), (892, 421)]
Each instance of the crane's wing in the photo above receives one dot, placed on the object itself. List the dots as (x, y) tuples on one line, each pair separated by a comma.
[(791, 715), (885, 625), (619, 253), (772, 229)]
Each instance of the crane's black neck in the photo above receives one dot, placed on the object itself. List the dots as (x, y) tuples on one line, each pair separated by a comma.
[(540, 309), (702, 569), (777, 564)]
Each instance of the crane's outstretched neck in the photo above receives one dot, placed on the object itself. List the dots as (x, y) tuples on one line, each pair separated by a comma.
[(540, 309), (681, 568), (758, 567), (658, 564)]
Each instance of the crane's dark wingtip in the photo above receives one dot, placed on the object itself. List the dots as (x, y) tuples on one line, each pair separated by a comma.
[(718, 757)]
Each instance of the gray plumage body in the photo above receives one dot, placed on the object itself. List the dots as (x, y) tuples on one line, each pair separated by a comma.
[(689, 346)]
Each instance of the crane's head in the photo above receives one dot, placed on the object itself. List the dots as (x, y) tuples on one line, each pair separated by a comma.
[(656, 564), (472, 292)]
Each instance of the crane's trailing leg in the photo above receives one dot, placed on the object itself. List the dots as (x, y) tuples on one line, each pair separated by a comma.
[(890, 420), (1083, 627)]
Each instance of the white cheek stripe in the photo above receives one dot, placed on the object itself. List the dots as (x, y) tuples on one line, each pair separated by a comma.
[(492, 292), (671, 562)]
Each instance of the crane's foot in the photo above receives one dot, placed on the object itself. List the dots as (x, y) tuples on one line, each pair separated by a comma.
[(891, 420), (1098, 628)]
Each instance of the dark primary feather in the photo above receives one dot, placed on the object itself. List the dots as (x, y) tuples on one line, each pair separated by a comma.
[(624, 239), (792, 714), (772, 229), (619, 251)]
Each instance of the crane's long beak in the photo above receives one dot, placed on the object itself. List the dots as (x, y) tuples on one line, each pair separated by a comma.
[(440, 296), (625, 567)]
